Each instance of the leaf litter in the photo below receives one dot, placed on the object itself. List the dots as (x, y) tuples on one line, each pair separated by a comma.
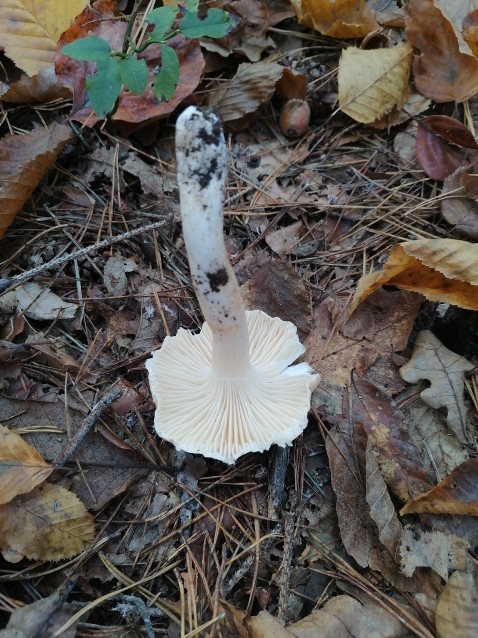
[(361, 232)]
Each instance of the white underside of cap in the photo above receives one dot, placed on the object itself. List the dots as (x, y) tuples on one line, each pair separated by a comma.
[(226, 418)]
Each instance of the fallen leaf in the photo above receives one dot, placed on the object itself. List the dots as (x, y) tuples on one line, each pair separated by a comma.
[(445, 371), (441, 72), (42, 87), (336, 18), (456, 614), (284, 239), (253, 85), (21, 467), (437, 156), (42, 618), (450, 129), (276, 289), (457, 494), (470, 30), (340, 617), (384, 326), (440, 269), (24, 161), (429, 431), (29, 30), (114, 274), (441, 552), (372, 82), (36, 302), (456, 208), (49, 523)]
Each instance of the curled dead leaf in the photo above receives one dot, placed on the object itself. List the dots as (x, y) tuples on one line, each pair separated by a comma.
[(336, 18)]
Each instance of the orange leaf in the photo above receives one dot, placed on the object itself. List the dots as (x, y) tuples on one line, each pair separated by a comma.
[(456, 494), (336, 18), (441, 72), (21, 466), (440, 269), (24, 160)]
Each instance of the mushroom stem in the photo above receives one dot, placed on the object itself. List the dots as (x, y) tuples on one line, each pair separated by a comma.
[(202, 169)]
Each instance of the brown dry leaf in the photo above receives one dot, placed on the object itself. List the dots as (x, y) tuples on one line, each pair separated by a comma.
[(366, 344), (42, 618), (21, 467), (283, 240), (440, 269), (459, 210), (49, 523), (456, 614), (42, 87), (445, 370), (429, 430), (252, 86), (340, 617), (372, 82), (336, 18), (441, 72), (457, 494), (441, 552), (36, 302), (276, 289), (470, 30), (29, 30), (24, 160)]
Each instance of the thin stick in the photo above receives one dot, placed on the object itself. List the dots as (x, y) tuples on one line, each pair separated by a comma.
[(59, 261)]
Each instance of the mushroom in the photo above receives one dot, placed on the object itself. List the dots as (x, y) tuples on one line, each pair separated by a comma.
[(230, 389)]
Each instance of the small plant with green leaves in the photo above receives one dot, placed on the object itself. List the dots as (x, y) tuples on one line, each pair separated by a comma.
[(116, 69)]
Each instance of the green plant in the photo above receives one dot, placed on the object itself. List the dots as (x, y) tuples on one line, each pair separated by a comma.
[(116, 69)]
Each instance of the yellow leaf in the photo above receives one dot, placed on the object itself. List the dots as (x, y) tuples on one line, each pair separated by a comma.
[(21, 467), (30, 29), (24, 160), (50, 523), (373, 82), (443, 270), (336, 18)]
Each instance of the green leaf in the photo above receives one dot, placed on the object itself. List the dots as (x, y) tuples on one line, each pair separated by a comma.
[(167, 79), (104, 87), (215, 24), (134, 74), (90, 48), (163, 19)]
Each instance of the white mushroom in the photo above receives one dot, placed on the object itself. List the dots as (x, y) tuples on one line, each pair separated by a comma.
[(230, 389)]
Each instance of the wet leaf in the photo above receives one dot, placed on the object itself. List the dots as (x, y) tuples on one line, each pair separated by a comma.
[(457, 494), (440, 269), (21, 467), (445, 371), (456, 613), (24, 160), (450, 129), (372, 82), (441, 72), (252, 86), (336, 18), (29, 30), (49, 523)]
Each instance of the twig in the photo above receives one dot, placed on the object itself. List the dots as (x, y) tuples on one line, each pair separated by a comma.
[(86, 426), (59, 261)]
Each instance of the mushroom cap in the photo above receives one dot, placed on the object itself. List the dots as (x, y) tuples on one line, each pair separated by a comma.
[(224, 418)]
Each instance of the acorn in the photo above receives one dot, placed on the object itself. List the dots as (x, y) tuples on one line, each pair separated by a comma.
[(294, 118)]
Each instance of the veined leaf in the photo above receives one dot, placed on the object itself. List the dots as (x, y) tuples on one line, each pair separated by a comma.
[(134, 74), (214, 25), (167, 78), (163, 19), (90, 48), (104, 87)]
